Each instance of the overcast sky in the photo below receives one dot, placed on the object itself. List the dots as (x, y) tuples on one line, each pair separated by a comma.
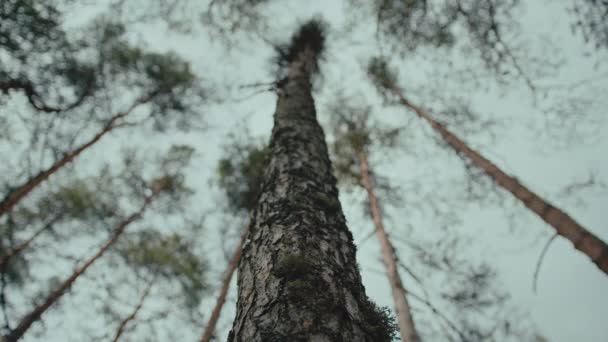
[(572, 301)]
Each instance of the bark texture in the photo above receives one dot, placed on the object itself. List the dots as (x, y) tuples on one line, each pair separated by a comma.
[(564, 225), (298, 277), (221, 298), (402, 306), (34, 315)]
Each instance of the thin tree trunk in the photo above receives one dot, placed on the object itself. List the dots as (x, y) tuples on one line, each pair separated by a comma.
[(402, 306), (221, 298), (564, 225), (133, 315), (298, 278), (21, 246), (58, 292), (16, 195)]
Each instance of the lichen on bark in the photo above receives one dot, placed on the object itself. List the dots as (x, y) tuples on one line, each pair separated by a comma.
[(298, 277)]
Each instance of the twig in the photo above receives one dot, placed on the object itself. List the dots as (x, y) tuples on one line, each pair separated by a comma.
[(365, 238), (540, 261), (7, 325), (123, 324), (439, 314), (415, 277)]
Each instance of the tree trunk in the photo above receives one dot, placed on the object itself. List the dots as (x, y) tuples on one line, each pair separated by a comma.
[(221, 298), (131, 317), (564, 225), (58, 292), (402, 306), (16, 195), (298, 277)]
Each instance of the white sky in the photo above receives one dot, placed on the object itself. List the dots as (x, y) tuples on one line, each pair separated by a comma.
[(572, 301)]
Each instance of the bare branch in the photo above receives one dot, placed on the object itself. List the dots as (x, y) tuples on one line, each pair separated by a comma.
[(541, 257)]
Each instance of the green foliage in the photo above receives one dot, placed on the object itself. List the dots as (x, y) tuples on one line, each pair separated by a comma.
[(165, 77), (166, 177), (354, 133), (97, 58), (16, 269), (476, 24), (381, 75), (411, 24), (228, 17), (177, 92), (379, 322), (241, 173), (76, 199), (311, 35), (81, 76), (168, 257), (109, 30), (42, 56), (29, 26), (162, 71), (176, 159), (168, 70), (123, 57), (170, 178)]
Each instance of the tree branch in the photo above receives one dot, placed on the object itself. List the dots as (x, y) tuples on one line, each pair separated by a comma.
[(540, 261), (34, 98)]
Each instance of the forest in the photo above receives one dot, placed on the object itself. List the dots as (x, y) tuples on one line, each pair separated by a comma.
[(289, 170)]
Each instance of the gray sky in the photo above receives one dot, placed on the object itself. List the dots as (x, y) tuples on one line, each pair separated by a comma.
[(571, 303)]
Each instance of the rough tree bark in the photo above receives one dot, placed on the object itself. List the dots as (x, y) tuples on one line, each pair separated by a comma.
[(221, 298), (298, 277), (564, 225), (402, 306), (17, 194), (34, 315)]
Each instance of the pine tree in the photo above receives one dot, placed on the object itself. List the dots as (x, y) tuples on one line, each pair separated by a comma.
[(162, 260), (564, 225), (240, 173), (163, 81), (167, 186), (353, 139), (36, 313), (468, 305), (298, 277)]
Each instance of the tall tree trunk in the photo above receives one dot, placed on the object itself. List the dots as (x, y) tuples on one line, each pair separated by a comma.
[(402, 306), (564, 225), (16, 195), (221, 298), (58, 292), (298, 277), (133, 314)]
